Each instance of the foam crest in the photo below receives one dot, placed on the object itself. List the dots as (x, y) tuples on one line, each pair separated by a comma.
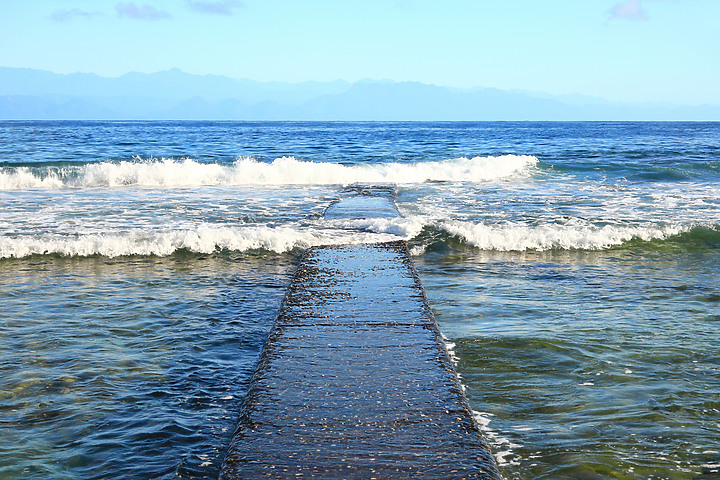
[(204, 239), (288, 170), (405, 227), (23, 178), (164, 172), (247, 171), (561, 237)]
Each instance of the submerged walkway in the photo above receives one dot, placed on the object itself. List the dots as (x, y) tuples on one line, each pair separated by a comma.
[(354, 380)]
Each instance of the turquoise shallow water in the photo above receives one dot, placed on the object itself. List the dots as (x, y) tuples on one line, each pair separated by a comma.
[(131, 368), (574, 266), (588, 365)]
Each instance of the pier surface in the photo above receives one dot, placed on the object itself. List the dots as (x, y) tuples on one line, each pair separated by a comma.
[(354, 380), (363, 201)]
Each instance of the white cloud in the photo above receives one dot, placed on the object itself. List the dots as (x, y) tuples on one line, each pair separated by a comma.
[(143, 12), (64, 15), (221, 7), (629, 10)]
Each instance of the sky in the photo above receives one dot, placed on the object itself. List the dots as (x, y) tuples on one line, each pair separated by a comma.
[(620, 50)]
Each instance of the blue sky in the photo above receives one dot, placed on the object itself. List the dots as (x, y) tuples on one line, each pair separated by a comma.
[(626, 50)]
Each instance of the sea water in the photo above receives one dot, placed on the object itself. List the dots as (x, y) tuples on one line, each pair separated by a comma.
[(573, 267)]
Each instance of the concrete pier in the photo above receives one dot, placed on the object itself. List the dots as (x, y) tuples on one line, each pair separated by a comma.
[(354, 380), (364, 201)]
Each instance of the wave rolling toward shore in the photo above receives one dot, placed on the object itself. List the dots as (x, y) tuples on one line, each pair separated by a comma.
[(573, 266)]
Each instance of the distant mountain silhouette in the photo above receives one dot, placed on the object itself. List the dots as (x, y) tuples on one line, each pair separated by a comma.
[(172, 94)]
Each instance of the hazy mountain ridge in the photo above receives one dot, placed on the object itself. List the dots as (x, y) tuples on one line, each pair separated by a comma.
[(27, 94)]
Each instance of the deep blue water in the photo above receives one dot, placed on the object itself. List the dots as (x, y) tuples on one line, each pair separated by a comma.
[(573, 266)]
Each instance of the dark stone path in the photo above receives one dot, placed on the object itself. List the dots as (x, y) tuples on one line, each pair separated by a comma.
[(354, 380)]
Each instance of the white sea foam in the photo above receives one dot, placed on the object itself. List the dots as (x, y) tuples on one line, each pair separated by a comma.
[(204, 239), (501, 446), (247, 171), (512, 237), (405, 227), (207, 238), (23, 178)]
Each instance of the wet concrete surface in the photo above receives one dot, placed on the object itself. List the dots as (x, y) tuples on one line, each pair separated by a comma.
[(364, 201), (354, 380)]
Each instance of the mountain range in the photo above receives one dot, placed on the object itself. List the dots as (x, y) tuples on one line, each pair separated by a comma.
[(28, 94)]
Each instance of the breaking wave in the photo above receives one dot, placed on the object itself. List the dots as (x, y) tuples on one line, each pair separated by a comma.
[(247, 171), (204, 239), (508, 237), (420, 232)]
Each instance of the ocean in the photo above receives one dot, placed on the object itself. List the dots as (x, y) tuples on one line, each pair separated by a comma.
[(574, 268)]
